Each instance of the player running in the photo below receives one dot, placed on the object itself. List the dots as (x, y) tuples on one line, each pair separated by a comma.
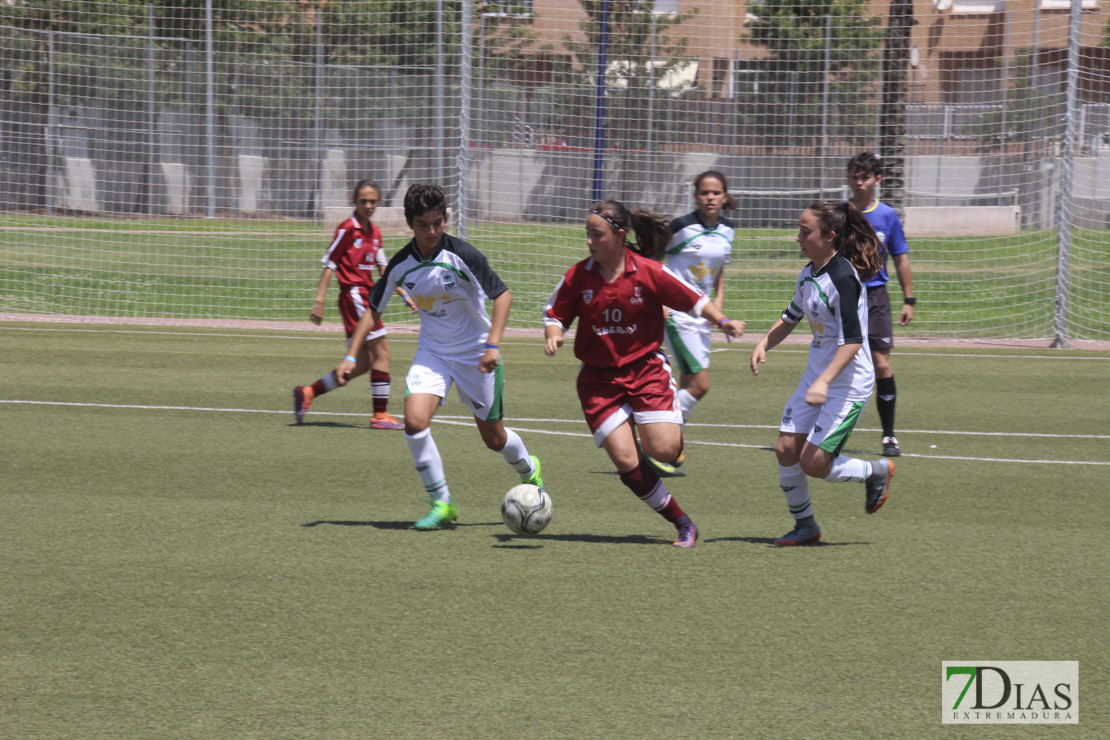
[(835, 386), (449, 281), (700, 247), (618, 294), (355, 253)]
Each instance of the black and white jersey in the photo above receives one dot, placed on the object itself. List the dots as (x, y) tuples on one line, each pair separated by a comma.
[(450, 288), (834, 302)]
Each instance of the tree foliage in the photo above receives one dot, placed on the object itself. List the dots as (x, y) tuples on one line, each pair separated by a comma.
[(633, 29), (804, 57)]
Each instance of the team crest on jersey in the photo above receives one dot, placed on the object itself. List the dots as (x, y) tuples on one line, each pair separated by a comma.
[(637, 296), (449, 281), (587, 296), (358, 243), (881, 235)]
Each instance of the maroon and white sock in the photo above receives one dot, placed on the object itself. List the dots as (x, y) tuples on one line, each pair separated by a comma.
[(325, 384), (379, 386), (646, 484)]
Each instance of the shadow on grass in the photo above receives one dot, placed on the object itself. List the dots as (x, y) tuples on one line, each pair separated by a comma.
[(394, 525), (771, 541), (532, 542), (329, 425), (602, 539)]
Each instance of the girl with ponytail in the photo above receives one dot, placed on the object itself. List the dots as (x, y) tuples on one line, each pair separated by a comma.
[(700, 247), (841, 246), (625, 384)]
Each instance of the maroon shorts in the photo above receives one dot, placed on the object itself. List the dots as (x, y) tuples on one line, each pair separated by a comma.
[(354, 301), (644, 390)]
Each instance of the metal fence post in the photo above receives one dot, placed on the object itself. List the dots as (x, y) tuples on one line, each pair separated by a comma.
[(599, 126), (209, 111), (150, 121), (438, 141), (466, 52), (1067, 178)]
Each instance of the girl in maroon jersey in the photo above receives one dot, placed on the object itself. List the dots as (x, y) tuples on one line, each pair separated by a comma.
[(625, 383), (354, 254)]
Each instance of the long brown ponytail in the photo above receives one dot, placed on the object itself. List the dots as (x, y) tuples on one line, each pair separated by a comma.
[(652, 234), (855, 239)]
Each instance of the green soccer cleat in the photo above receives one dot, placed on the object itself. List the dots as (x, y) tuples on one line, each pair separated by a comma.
[(535, 479), (443, 512), (662, 469)]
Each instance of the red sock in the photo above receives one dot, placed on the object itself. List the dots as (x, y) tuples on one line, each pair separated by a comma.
[(646, 484), (379, 387)]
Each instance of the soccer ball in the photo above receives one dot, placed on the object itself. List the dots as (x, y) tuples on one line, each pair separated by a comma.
[(526, 509)]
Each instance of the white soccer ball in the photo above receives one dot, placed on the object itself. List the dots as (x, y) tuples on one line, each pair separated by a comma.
[(526, 509)]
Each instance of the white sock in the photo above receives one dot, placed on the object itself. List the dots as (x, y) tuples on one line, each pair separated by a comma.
[(329, 382), (379, 390), (845, 469), (516, 454), (658, 497), (795, 484), (686, 403), (429, 465)]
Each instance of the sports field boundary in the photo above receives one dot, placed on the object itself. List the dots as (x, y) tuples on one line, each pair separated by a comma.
[(402, 329)]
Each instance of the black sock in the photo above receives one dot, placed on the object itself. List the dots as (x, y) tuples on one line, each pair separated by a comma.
[(885, 396)]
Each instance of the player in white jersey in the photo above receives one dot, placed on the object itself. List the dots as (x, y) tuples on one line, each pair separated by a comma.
[(841, 246), (449, 281), (699, 249)]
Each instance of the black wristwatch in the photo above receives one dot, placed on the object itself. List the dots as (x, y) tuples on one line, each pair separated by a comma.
[(911, 301)]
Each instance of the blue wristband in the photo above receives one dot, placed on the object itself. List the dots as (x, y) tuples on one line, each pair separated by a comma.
[(492, 346), (350, 358)]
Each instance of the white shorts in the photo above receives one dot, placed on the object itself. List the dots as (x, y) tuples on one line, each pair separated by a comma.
[(827, 426), (688, 340), (480, 392)]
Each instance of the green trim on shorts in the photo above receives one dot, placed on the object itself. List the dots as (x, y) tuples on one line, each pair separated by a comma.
[(497, 408), (835, 441), (683, 357)]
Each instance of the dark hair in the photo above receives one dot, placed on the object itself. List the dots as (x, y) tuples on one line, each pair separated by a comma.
[(855, 239), (422, 198), (730, 202), (652, 234), (869, 162), (365, 184)]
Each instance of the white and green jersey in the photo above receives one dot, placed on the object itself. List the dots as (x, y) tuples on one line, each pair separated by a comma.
[(698, 253), (835, 303), (450, 288)]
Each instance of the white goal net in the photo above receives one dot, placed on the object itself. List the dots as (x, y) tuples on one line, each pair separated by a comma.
[(190, 159)]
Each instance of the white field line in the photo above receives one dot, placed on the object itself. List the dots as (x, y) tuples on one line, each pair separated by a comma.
[(468, 421)]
